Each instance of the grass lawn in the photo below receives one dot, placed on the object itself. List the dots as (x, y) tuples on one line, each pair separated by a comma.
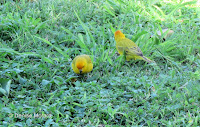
[(39, 39)]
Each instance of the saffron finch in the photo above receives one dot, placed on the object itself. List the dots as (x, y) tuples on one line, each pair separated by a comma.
[(127, 46), (82, 64)]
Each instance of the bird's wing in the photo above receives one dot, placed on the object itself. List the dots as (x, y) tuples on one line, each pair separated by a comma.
[(134, 50), (129, 47)]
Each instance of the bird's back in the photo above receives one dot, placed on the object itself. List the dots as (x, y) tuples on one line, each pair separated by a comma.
[(89, 61), (125, 42)]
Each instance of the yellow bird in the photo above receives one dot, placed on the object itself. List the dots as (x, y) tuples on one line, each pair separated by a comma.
[(127, 46), (82, 64)]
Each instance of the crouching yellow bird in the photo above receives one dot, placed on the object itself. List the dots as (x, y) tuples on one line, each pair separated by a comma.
[(127, 46), (82, 64)]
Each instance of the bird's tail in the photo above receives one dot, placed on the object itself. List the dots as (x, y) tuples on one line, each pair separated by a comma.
[(147, 59)]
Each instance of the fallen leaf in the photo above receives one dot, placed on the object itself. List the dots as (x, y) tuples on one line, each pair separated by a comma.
[(153, 89), (4, 86), (169, 33), (166, 35)]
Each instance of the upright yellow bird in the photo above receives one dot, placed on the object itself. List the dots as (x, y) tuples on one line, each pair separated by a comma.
[(127, 46), (82, 64)]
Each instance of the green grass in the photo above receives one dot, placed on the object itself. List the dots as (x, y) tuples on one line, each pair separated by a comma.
[(38, 41)]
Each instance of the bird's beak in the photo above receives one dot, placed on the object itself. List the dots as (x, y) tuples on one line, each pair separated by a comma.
[(80, 70)]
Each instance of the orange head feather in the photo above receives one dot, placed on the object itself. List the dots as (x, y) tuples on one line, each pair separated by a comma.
[(119, 35), (80, 63)]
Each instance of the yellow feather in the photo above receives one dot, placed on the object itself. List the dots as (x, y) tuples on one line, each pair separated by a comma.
[(82, 64), (127, 46)]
